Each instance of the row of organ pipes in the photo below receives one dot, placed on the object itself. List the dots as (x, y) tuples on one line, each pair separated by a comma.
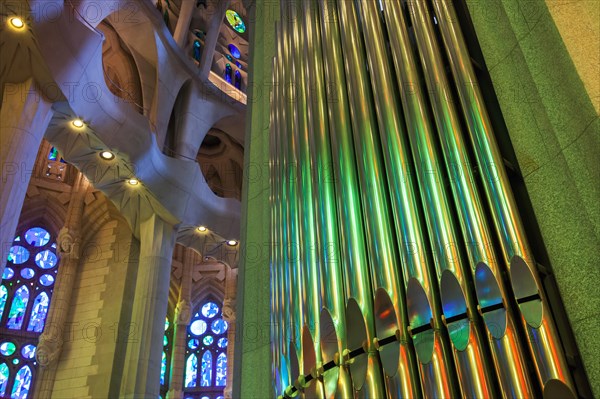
[(385, 279)]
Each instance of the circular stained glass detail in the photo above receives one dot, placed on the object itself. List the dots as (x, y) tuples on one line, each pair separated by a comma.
[(198, 327), (17, 255), (46, 259), (235, 21), (219, 326), (27, 273), (204, 397), (37, 237), (8, 274), (165, 341), (15, 361), (222, 342), (167, 324), (208, 340), (46, 280), (210, 310), (28, 351), (235, 52), (7, 348), (220, 397), (193, 343)]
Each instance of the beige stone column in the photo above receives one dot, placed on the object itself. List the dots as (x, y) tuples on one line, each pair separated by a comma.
[(69, 249), (230, 318), (141, 377), (212, 35), (183, 22), (24, 118), (183, 314)]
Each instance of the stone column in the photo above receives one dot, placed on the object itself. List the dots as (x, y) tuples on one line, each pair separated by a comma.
[(141, 377), (69, 250), (24, 118), (229, 316), (183, 22), (183, 315), (212, 34)]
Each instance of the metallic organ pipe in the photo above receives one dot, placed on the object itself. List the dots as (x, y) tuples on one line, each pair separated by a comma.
[(359, 298), (294, 281), (498, 317), (425, 320), (473, 372), (281, 244), (551, 366), (308, 227), (390, 312), (336, 381)]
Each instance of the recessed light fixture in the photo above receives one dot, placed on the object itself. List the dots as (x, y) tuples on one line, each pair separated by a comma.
[(17, 22), (78, 123), (133, 182), (107, 155), (232, 243), (202, 228)]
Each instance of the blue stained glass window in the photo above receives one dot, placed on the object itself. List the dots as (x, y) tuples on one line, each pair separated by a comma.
[(228, 72), (210, 310), (22, 383), (206, 378), (163, 368), (53, 154), (17, 310), (28, 351), (4, 374), (39, 313), (197, 50), (37, 237), (3, 296), (191, 371), (46, 259), (18, 255), (219, 326), (222, 342), (8, 273), (208, 340), (221, 370), (193, 343), (220, 397), (27, 273), (235, 52), (46, 280), (238, 80)]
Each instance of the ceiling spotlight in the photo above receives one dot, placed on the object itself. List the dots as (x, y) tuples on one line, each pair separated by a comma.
[(201, 228), (78, 123), (133, 182), (17, 22), (232, 243), (107, 155)]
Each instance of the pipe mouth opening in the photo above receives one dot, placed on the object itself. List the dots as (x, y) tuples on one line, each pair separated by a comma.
[(420, 320), (527, 293), (357, 337), (386, 325), (557, 389), (454, 306), (330, 345), (489, 298)]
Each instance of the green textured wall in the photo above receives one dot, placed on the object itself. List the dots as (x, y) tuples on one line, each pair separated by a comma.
[(252, 367), (554, 130)]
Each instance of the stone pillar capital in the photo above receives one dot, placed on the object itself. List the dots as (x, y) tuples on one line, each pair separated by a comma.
[(229, 310), (68, 243), (183, 313), (49, 348)]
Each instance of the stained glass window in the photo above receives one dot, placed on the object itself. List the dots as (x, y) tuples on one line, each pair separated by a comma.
[(235, 21), (25, 296), (235, 52), (165, 363), (206, 353)]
